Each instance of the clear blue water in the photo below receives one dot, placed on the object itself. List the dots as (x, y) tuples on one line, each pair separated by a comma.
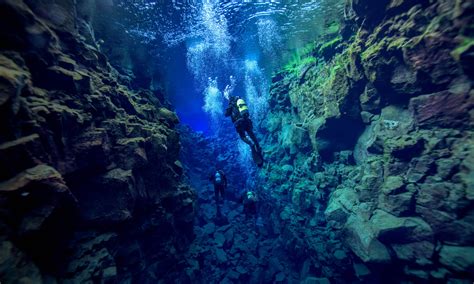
[(200, 45)]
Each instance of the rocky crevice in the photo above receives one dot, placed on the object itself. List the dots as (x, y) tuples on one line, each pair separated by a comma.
[(396, 195), (91, 188)]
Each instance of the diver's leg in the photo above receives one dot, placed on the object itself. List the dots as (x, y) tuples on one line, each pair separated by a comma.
[(254, 139), (216, 193), (221, 190), (243, 136), (251, 134)]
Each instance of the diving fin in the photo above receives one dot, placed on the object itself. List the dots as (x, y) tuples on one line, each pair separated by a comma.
[(257, 157)]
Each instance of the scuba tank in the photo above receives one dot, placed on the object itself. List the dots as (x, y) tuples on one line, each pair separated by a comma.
[(218, 178), (242, 107)]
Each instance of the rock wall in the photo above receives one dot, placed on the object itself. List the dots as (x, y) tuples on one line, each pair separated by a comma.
[(370, 141), (91, 188)]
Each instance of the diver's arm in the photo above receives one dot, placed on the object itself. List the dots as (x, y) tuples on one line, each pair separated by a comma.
[(228, 111)]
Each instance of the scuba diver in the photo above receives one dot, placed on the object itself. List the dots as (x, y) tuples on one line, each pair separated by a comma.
[(239, 113), (249, 199), (219, 180)]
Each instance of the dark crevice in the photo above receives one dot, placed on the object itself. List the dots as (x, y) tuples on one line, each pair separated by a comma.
[(338, 135)]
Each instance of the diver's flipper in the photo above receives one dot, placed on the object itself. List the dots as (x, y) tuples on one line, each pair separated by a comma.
[(257, 157)]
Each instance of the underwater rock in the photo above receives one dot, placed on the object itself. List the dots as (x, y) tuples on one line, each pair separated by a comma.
[(341, 205), (418, 252), (443, 109), (363, 241), (361, 270), (83, 155), (221, 256), (18, 264), (394, 229), (457, 258), (398, 97)]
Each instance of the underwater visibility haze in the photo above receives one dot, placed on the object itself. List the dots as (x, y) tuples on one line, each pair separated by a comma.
[(269, 141)]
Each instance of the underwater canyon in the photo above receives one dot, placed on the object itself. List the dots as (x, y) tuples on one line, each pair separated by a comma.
[(113, 122)]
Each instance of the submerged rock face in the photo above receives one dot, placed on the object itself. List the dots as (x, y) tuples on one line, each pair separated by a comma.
[(379, 138), (90, 183)]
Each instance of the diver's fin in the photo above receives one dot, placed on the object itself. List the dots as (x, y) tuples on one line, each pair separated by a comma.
[(257, 157)]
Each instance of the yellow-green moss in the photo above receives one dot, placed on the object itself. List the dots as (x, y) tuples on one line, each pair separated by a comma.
[(302, 57), (373, 49), (333, 28), (397, 43), (330, 44), (466, 43)]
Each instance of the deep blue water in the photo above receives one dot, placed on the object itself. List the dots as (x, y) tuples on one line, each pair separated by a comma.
[(199, 45)]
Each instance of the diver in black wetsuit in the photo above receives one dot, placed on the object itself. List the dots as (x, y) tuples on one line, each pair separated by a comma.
[(249, 199), (220, 184), (239, 113)]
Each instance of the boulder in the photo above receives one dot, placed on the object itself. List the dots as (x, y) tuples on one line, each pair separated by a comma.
[(92, 149), (390, 228), (363, 241), (280, 277), (27, 149), (287, 170), (168, 116), (443, 109), (234, 275), (107, 199), (229, 237), (417, 273), (420, 253), (423, 166), (219, 239), (13, 78), (433, 195), (341, 204), (370, 100), (457, 258), (397, 204), (209, 228), (459, 231), (406, 147), (15, 265), (361, 270), (340, 254), (393, 185), (221, 255), (35, 177)]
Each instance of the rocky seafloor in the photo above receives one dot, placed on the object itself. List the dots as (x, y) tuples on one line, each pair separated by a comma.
[(368, 145)]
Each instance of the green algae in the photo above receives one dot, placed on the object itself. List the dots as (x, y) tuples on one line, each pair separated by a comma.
[(397, 43), (333, 28), (295, 66), (330, 45), (373, 50), (466, 43), (301, 58)]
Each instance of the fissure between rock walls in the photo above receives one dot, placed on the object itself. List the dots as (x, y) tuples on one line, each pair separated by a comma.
[(368, 146)]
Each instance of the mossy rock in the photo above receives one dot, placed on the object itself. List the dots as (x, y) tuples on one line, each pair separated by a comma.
[(464, 54), (168, 115), (330, 48)]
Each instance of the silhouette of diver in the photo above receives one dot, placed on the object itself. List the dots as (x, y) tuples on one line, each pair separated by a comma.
[(239, 113)]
